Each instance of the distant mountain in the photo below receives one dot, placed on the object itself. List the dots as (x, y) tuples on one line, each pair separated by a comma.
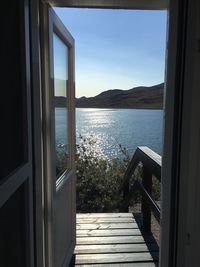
[(139, 97)]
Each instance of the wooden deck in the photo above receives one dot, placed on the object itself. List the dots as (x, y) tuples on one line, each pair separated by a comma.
[(113, 239)]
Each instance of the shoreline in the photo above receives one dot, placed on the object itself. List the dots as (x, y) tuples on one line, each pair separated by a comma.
[(145, 108)]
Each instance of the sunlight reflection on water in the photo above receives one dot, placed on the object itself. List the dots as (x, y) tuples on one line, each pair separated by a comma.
[(128, 127)]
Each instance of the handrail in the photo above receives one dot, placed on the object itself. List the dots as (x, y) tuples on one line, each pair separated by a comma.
[(151, 165)]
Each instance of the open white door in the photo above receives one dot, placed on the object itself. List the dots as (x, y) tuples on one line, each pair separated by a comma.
[(60, 145)]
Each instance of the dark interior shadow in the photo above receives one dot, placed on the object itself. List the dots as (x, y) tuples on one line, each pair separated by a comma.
[(148, 238), (73, 260)]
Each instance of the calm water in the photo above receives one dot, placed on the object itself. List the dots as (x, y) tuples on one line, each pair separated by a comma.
[(128, 127)]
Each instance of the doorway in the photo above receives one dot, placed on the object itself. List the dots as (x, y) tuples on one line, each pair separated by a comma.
[(129, 6)]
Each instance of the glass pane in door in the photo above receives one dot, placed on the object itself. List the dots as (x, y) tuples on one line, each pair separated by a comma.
[(60, 105)]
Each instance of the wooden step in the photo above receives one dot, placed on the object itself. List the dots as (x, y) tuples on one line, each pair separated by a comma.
[(113, 248), (114, 240)]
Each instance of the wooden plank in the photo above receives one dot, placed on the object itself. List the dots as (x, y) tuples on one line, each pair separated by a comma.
[(105, 220), (120, 248), (145, 208), (129, 171), (112, 240), (137, 264), (150, 203), (104, 215), (114, 258), (88, 226), (109, 232), (150, 160), (155, 157)]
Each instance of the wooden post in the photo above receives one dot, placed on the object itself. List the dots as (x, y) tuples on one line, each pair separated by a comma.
[(125, 194), (146, 211)]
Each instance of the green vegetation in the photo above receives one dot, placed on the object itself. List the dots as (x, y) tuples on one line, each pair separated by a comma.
[(99, 179)]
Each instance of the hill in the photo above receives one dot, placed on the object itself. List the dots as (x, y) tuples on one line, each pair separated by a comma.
[(139, 97)]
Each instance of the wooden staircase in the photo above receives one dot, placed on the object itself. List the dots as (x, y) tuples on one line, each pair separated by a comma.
[(115, 239)]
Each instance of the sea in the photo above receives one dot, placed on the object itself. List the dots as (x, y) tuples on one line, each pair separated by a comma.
[(112, 130)]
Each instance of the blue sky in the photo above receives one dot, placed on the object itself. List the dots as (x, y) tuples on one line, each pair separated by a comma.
[(116, 48)]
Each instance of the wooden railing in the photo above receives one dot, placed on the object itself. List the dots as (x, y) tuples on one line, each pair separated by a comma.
[(151, 166)]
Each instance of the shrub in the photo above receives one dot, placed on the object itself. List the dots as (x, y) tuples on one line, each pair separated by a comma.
[(98, 178)]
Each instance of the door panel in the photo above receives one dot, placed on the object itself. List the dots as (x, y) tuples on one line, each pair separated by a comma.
[(64, 244), (62, 140)]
